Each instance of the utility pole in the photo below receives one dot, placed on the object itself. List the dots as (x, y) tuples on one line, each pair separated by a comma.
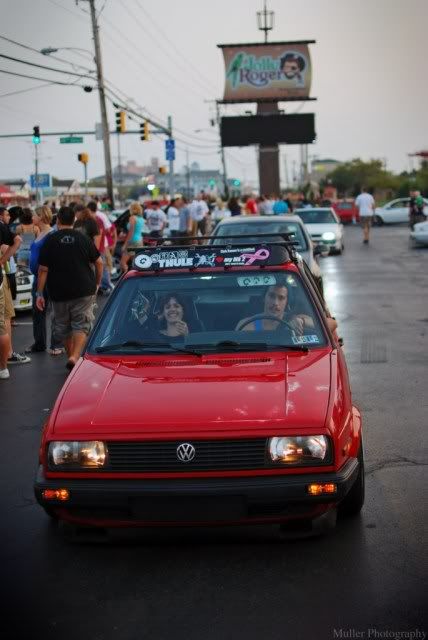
[(119, 162), (171, 163), (188, 173), (223, 159), (104, 121)]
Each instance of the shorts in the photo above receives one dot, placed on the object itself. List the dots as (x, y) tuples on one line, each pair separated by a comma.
[(9, 309), (3, 331), (73, 316), (366, 221)]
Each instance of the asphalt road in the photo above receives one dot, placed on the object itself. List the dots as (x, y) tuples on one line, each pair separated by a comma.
[(368, 577)]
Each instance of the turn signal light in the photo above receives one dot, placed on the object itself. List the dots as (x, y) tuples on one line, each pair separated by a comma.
[(56, 494), (318, 489)]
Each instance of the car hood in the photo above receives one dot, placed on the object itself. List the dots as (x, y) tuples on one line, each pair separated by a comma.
[(319, 229), (187, 395)]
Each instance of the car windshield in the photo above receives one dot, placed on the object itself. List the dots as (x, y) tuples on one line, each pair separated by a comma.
[(209, 312), (316, 216), (254, 229)]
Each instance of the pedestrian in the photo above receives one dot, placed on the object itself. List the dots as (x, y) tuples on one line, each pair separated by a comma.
[(220, 211), (28, 232), (173, 216), (136, 228), (280, 207), (234, 206), (251, 205), (12, 242), (366, 206), (156, 220), (86, 224), (185, 222), (198, 214), (416, 209), (66, 267), (42, 218), (104, 226)]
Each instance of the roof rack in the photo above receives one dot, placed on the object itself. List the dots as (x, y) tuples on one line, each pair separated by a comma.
[(188, 244)]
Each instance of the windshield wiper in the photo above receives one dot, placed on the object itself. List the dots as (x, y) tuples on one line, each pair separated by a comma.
[(233, 345), (156, 347)]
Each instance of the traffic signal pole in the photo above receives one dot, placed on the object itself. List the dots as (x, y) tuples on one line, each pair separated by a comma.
[(36, 170), (171, 163), (104, 121)]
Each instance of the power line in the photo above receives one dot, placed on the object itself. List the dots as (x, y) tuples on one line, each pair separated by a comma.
[(14, 93), (76, 15), (41, 66), (21, 75)]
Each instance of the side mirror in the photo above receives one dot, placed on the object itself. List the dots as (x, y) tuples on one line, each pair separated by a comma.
[(321, 250)]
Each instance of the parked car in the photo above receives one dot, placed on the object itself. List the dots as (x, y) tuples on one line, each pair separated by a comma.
[(419, 235), (198, 402), (24, 285), (255, 225), (395, 211), (347, 211), (324, 226)]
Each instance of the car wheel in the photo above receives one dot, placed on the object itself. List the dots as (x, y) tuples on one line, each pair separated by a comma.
[(378, 221), (353, 502)]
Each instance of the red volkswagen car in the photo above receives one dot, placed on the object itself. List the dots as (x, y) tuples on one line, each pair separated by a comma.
[(347, 211), (211, 392)]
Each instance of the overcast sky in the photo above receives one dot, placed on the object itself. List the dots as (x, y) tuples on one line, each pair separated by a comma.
[(369, 75)]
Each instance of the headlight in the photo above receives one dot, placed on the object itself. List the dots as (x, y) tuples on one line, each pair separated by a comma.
[(328, 235), (309, 450), (92, 454)]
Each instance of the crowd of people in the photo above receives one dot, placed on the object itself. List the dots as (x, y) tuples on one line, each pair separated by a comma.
[(70, 254)]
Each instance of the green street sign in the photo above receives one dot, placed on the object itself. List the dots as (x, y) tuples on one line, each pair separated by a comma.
[(70, 139)]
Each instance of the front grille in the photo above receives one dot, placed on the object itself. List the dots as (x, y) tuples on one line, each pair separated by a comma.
[(211, 455)]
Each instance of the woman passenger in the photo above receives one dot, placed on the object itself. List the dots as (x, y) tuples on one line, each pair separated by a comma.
[(173, 319)]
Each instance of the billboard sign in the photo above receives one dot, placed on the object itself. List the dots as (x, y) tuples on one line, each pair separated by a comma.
[(295, 128), (263, 72)]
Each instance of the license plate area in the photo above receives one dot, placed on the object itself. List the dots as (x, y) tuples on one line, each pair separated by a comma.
[(189, 508)]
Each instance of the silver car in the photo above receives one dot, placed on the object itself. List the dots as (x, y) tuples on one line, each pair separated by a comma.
[(253, 226)]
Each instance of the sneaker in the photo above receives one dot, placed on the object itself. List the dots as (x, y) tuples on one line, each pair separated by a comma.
[(365, 241), (18, 358), (4, 374)]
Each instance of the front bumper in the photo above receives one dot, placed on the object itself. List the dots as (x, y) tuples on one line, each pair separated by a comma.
[(232, 500)]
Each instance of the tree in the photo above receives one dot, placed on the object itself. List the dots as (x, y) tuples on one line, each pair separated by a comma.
[(349, 177)]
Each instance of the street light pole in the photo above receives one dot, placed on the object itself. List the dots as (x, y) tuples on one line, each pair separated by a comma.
[(36, 170), (101, 91), (171, 163)]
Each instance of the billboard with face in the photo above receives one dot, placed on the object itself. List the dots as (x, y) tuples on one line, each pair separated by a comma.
[(258, 72)]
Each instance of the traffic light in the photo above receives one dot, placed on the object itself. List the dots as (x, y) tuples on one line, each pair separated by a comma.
[(120, 121), (144, 131), (36, 134), (236, 183), (83, 158), (163, 169), (211, 183)]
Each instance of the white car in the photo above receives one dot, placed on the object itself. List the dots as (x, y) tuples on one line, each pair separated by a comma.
[(24, 285), (324, 227), (395, 211), (252, 226), (419, 235)]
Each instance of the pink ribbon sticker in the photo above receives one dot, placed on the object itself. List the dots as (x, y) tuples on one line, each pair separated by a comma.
[(260, 254)]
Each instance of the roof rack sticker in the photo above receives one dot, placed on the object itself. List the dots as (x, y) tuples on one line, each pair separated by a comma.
[(207, 256)]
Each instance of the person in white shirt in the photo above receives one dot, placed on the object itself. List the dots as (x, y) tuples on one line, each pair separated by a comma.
[(156, 220), (366, 206), (173, 215), (198, 214)]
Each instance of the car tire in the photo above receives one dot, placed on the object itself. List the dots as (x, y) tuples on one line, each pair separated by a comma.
[(353, 502), (378, 221)]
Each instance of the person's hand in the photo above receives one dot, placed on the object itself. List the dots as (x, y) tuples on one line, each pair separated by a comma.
[(182, 328), (298, 324), (40, 303)]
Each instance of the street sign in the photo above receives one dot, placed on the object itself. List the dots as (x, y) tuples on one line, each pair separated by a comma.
[(169, 149), (71, 139), (44, 181)]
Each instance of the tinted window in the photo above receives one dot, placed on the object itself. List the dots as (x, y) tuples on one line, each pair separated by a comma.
[(316, 216), (251, 229)]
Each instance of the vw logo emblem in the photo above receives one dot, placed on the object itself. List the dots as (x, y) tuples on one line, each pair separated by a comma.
[(186, 452)]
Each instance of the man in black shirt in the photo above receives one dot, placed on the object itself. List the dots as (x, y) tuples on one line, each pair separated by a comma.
[(8, 238), (66, 267)]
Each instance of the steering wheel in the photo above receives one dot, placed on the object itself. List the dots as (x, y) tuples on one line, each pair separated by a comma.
[(264, 316)]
